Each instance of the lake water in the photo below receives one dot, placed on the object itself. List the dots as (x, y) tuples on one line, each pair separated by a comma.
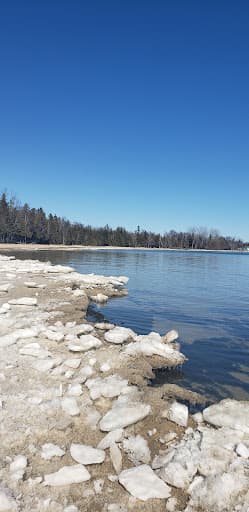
[(205, 296)]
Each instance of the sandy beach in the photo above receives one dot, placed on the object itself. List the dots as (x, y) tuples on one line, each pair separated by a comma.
[(50, 247)]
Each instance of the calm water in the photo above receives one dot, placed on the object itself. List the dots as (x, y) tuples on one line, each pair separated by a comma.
[(205, 296)]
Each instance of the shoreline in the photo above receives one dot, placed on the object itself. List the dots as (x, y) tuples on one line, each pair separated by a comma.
[(60, 247), (82, 386)]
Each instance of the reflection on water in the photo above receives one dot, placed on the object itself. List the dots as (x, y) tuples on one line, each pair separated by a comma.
[(205, 296)]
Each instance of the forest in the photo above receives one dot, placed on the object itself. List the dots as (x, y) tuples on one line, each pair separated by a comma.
[(23, 224)]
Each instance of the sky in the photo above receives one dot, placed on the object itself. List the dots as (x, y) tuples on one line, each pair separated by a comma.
[(127, 112)]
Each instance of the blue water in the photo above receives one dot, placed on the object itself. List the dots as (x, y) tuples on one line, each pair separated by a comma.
[(205, 296)]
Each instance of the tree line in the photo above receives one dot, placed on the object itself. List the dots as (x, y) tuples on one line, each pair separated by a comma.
[(22, 224)]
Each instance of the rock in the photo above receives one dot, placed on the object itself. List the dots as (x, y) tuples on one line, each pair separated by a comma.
[(67, 475), (18, 466), (143, 484), (85, 454), (170, 337), (104, 326), (71, 508), (69, 405), (7, 503), (50, 450), (116, 457), (178, 413), (242, 450), (124, 414), (137, 449), (99, 298), (228, 413), (119, 335), (23, 301), (113, 437)]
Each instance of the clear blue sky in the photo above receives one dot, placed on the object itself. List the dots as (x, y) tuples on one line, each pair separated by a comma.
[(127, 112)]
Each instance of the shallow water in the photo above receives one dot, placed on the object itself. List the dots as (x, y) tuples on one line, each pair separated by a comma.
[(205, 296)]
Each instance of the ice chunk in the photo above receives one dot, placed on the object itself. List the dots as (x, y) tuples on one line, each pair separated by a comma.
[(109, 387), (23, 301), (99, 298), (50, 450), (178, 413), (18, 466), (7, 503), (137, 449), (67, 475), (171, 336), (124, 414), (119, 335), (113, 437), (143, 484), (69, 405), (116, 457), (228, 413), (85, 454)]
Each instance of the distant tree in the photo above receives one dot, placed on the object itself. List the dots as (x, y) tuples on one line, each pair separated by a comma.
[(20, 223)]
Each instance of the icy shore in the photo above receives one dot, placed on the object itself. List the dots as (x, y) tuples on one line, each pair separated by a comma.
[(80, 428)]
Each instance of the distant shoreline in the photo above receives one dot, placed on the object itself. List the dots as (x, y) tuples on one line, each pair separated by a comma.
[(60, 247)]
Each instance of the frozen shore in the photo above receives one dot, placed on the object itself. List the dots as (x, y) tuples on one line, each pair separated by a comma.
[(80, 428)]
